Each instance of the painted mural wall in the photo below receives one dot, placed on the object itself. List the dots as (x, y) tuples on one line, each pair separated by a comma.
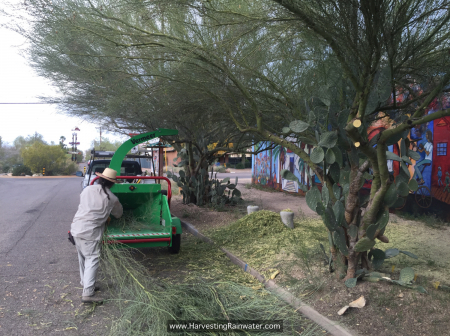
[(430, 140), (267, 165)]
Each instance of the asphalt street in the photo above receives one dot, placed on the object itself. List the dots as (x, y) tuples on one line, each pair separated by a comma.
[(39, 279), (243, 177)]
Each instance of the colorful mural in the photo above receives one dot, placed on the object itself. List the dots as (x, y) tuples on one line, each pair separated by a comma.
[(267, 166), (262, 165), (430, 141)]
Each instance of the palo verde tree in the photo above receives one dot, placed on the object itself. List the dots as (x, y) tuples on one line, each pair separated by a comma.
[(258, 63), (82, 47)]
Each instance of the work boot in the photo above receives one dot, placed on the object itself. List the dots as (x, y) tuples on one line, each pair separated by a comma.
[(92, 299)]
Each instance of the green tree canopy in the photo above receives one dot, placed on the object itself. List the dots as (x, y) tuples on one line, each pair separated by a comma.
[(53, 158)]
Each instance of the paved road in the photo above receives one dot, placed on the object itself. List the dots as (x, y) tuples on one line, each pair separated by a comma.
[(38, 266)]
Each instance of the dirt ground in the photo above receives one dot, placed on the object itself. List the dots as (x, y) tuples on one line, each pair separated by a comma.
[(204, 218), (390, 309)]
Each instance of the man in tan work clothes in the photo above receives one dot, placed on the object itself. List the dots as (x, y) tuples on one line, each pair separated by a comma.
[(97, 202)]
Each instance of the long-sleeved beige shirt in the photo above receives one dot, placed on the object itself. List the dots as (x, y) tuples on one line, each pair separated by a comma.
[(93, 211)]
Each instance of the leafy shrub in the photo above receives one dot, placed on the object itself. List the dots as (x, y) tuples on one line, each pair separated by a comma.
[(21, 170), (248, 164), (240, 165), (52, 158), (68, 169), (221, 169), (5, 168)]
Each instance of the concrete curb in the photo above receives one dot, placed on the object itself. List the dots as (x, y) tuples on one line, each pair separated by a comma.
[(332, 327)]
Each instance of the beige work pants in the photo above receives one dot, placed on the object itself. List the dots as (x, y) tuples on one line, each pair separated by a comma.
[(89, 260)]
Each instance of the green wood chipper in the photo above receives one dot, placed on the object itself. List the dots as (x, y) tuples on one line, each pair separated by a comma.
[(147, 221)]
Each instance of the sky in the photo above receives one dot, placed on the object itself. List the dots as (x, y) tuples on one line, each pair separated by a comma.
[(19, 84)]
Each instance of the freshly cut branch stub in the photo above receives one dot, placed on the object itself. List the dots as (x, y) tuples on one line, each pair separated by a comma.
[(357, 123)]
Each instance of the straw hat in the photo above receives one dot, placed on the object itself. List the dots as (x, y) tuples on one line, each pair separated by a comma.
[(109, 174)]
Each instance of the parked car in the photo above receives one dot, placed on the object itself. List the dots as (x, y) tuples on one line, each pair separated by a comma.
[(128, 168)]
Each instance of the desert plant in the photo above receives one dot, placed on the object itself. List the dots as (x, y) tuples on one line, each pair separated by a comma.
[(218, 193), (21, 170), (39, 155)]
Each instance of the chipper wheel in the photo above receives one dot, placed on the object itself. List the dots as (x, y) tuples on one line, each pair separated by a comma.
[(176, 242)]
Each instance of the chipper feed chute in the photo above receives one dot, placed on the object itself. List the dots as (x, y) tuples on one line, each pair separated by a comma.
[(147, 221)]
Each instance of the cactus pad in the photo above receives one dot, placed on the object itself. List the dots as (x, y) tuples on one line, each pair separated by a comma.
[(350, 283), (372, 279), (353, 231), (328, 218), (320, 209), (370, 232), (317, 155), (407, 275), (390, 253), (364, 244), (339, 240), (406, 159), (338, 155), (288, 175), (325, 195), (376, 263), (236, 193), (339, 210), (391, 195), (402, 189), (393, 156), (298, 126), (405, 169), (330, 157), (344, 177), (377, 254), (413, 155), (382, 218), (328, 139), (413, 185), (409, 254), (313, 197), (334, 172), (337, 191)]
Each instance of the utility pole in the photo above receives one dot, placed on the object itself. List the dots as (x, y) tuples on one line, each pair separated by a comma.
[(100, 145), (74, 143)]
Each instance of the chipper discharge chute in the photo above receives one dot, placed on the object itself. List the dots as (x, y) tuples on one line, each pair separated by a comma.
[(147, 221)]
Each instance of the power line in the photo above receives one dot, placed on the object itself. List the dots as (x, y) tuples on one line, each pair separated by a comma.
[(23, 103)]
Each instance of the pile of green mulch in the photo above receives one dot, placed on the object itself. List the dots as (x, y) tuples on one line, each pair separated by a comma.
[(263, 241), (146, 303)]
